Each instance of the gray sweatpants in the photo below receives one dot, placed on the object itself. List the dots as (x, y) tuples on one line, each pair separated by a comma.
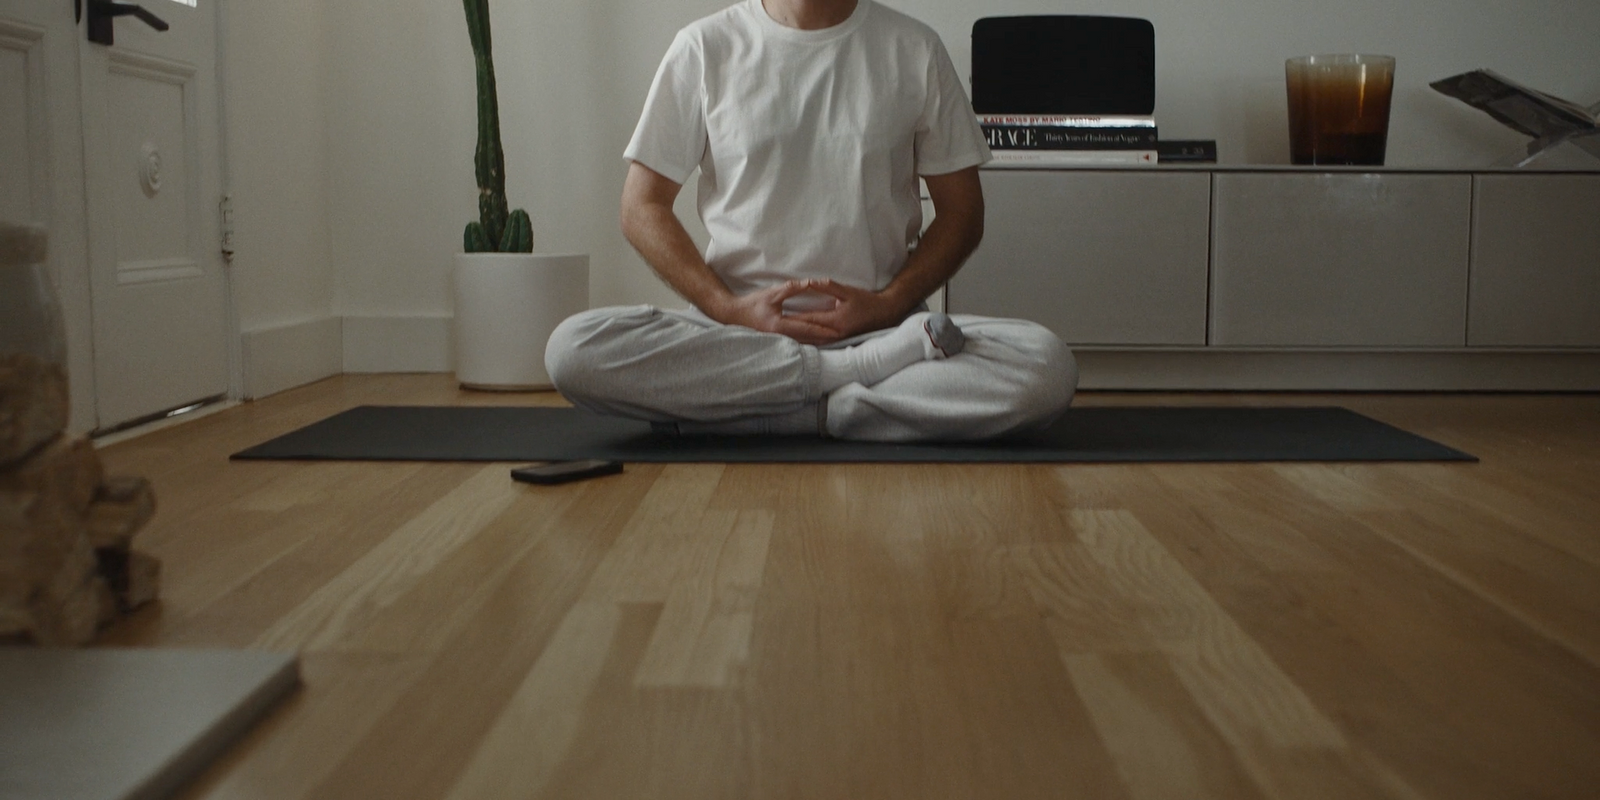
[(679, 366)]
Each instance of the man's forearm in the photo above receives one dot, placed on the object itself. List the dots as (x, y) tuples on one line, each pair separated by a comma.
[(655, 231), (665, 245), (944, 247)]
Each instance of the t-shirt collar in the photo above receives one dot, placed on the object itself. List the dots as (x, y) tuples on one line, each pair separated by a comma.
[(771, 26)]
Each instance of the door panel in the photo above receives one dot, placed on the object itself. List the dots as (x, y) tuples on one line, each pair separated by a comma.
[(151, 117), (1077, 252), (1535, 261), (1345, 259), (154, 183), (24, 191)]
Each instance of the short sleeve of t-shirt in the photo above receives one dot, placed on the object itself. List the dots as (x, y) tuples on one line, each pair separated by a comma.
[(948, 137), (671, 135)]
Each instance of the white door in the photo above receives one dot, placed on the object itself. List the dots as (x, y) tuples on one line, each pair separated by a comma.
[(115, 150), (153, 182), (41, 163)]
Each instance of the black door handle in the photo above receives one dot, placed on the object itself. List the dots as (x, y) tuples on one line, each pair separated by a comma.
[(102, 12)]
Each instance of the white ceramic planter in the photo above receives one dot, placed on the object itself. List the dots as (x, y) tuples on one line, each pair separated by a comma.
[(507, 304)]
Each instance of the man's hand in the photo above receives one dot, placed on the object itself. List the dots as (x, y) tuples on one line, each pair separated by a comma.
[(763, 311), (855, 311), (956, 229)]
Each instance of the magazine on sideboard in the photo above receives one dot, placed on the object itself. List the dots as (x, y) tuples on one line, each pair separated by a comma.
[(1526, 110), (1565, 134)]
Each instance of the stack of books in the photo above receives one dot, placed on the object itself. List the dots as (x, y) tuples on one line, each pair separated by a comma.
[(1065, 140), (1071, 90)]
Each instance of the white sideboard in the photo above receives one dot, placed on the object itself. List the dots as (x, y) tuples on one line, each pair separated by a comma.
[(1278, 278)]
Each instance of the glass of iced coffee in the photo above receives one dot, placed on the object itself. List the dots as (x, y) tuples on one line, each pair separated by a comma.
[(1339, 108)]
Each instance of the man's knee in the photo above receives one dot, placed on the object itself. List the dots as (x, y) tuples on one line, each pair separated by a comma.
[(562, 355), (578, 348), (1064, 371), (1055, 378)]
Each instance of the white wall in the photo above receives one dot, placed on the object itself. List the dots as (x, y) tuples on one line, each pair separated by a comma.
[(397, 94), (400, 114), (572, 76), (276, 96), (1219, 64)]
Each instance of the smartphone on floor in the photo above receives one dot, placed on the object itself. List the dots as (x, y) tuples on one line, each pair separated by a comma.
[(565, 471)]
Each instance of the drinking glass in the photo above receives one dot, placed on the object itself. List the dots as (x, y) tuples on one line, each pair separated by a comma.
[(1339, 108)]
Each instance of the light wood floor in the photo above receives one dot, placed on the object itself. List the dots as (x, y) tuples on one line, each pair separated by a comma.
[(900, 631)]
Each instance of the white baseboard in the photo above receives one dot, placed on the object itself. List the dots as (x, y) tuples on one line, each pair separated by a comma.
[(285, 356), (1233, 370), (398, 344)]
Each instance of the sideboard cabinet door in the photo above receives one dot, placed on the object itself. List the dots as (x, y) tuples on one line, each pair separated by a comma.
[(1536, 261), (1344, 259), (1098, 256)]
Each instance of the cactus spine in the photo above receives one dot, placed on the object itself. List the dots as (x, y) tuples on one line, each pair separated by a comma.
[(495, 230)]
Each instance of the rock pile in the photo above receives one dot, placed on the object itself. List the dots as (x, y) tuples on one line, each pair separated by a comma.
[(66, 567)]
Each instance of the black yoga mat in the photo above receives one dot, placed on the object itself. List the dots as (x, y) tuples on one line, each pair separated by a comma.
[(1093, 434)]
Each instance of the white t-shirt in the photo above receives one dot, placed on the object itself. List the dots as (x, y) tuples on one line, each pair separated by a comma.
[(809, 143)]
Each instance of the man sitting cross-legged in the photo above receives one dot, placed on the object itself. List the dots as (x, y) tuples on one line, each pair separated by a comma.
[(810, 122)]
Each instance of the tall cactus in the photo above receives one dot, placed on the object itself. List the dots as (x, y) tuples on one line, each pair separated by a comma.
[(495, 230)]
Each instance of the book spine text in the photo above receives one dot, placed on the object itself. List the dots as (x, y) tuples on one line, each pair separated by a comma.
[(1035, 137)]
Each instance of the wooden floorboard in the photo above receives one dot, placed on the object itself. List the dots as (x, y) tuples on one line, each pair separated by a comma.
[(1388, 630)]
